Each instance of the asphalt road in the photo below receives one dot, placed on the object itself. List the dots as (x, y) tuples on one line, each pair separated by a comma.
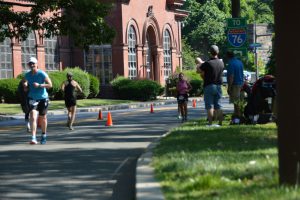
[(92, 162)]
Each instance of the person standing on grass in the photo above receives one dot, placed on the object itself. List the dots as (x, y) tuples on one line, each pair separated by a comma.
[(183, 87), (235, 80), (211, 72), (38, 82), (69, 87)]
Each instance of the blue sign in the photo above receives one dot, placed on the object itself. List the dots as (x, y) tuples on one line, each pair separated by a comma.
[(237, 37), (255, 45)]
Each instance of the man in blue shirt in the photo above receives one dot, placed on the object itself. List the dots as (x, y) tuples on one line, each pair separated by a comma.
[(235, 80), (37, 81)]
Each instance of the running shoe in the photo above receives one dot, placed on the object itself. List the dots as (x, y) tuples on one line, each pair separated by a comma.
[(71, 128), (33, 141), (43, 139)]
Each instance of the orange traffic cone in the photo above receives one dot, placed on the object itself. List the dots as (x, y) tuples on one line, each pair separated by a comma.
[(194, 103), (151, 109), (100, 117), (109, 120)]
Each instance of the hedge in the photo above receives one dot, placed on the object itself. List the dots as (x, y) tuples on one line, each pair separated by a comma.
[(142, 89), (89, 84), (9, 90), (94, 86)]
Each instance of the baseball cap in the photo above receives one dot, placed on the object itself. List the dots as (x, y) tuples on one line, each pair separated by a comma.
[(214, 49), (32, 60), (69, 74)]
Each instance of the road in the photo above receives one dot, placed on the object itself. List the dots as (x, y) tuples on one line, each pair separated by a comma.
[(92, 162)]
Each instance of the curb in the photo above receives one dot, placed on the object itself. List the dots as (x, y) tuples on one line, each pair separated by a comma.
[(147, 187)]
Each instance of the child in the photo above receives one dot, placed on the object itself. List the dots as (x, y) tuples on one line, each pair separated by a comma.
[(23, 91)]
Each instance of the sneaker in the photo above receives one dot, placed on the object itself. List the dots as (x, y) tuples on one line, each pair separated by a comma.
[(179, 117), (43, 139), (71, 128), (33, 141)]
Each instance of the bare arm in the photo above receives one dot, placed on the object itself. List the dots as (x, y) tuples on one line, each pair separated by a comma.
[(62, 87), (201, 72), (230, 82), (78, 87), (47, 84)]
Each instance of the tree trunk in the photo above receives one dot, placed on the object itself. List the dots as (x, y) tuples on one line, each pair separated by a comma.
[(287, 43)]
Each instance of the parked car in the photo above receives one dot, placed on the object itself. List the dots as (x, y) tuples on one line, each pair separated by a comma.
[(249, 75)]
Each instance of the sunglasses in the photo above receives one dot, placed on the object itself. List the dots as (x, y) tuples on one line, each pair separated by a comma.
[(31, 63)]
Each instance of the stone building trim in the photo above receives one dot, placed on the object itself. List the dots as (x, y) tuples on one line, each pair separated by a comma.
[(132, 22), (152, 22), (168, 28)]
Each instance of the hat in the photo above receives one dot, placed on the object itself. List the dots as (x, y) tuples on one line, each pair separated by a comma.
[(32, 60), (69, 74), (214, 49)]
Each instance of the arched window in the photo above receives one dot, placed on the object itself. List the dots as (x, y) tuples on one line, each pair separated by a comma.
[(28, 50), (51, 54), (5, 59), (131, 53), (167, 54)]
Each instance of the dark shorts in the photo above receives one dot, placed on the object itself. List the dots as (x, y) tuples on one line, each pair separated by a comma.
[(40, 105), (70, 102), (182, 98)]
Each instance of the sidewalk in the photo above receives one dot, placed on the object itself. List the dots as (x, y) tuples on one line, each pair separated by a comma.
[(147, 187)]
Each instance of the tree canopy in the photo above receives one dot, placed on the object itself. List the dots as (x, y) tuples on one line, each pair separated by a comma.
[(81, 20), (206, 23)]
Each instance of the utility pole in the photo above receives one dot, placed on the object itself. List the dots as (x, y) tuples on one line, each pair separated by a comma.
[(235, 8)]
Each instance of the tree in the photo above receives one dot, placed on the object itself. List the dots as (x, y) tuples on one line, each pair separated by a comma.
[(189, 56), (81, 20), (205, 26)]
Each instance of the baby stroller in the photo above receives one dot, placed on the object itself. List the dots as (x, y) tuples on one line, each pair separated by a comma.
[(260, 101)]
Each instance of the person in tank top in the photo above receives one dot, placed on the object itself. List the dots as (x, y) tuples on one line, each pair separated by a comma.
[(70, 87)]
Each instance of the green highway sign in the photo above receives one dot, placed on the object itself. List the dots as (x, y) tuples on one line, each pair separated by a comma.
[(236, 22), (239, 52), (237, 36)]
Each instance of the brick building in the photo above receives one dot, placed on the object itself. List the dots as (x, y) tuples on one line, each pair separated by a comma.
[(147, 44)]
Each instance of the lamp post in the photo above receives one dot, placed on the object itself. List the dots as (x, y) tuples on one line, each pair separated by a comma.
[(255, 49)]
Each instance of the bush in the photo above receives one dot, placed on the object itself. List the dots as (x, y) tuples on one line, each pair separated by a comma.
[(119, 85), (9, 90), (82, 78), (57, 79), (136, 89), (94, 86)]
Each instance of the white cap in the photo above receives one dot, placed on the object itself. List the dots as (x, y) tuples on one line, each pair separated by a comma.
[(32, 60)]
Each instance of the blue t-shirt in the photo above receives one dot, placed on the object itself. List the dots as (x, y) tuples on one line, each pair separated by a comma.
[(39, 77), (236, 68)]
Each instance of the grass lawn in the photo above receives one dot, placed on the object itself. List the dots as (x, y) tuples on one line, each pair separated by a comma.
[(60, 104), (237, 162)]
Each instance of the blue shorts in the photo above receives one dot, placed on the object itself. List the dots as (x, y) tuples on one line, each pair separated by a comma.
[(212, 96)]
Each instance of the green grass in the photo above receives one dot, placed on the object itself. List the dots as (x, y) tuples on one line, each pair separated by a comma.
[(237, 162), (60, 104)]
